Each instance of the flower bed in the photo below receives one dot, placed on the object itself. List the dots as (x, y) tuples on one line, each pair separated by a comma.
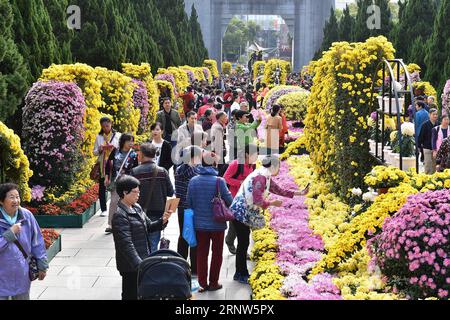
[(52, 243), (71, 215)]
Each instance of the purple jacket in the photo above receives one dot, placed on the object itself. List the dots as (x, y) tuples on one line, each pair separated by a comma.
[(14, 278)]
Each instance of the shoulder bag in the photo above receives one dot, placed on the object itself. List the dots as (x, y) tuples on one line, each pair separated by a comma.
[(33, 272), (220, 210), (95, 172)]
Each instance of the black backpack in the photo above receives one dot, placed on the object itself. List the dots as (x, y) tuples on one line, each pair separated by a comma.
[(165, 275)]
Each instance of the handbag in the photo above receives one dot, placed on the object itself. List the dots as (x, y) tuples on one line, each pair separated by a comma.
[(33, 271), (220, 210), (188, 228), (95, 171), (112, 185), (249, 216)]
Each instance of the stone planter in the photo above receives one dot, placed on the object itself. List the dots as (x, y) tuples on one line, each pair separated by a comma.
[(392, 159), (54, 249), (408, 162), (66, 221)]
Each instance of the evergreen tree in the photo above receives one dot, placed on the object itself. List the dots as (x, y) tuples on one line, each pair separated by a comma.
[(177, 19), (414, 29), (330, 34), (346, 25), (364, 18), (34, 36), (200, 52), (58, 18), (438, 51), (13, 72)]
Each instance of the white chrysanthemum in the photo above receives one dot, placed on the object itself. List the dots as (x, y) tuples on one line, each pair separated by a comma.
[(357, 192), (408, 129), (369, 196)]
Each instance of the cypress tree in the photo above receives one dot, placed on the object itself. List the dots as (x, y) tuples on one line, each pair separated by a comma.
[(438, 51), (13, 72), (58, 18), (346, 25), (361, 31), (330, 34), (177, 19), (200, 52), (413, 30), (34, 36)]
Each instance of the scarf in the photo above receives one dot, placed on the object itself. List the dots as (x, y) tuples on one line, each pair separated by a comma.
[(12, 221), (106, 153)]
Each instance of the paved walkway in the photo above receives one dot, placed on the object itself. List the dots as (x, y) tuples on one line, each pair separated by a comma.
[(85, 269)]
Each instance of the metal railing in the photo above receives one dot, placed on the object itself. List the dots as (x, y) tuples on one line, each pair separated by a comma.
[(393, 93)]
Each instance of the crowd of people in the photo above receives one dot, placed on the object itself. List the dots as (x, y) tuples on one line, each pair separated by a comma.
[(210, 147), (432, 136)]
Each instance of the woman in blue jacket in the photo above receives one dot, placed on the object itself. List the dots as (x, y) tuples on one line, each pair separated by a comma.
[(201, 191), (18, 224)]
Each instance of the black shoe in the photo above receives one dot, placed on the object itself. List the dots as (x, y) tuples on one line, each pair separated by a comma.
[(108, 230), (231, 248)]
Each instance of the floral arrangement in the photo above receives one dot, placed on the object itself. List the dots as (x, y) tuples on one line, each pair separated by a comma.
[(165, 88), (190, 74), (299, 249), (294, 148), (277, 92), (53, 132), (181, 78), (386, 177), (258, 69), (208, 75), (413, 249), (85, 77), (140, 100), (143, 72), (270, 69), (227, 68), (212, 67), (446, 98), (295, 105), (407, 149), (266, 279), (14, 165), (117, 94), (426, 87), (84, 202), (341, 94), (50, 236), (75, 206), (168, 77)]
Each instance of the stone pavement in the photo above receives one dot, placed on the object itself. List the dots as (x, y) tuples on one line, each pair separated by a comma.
[(85, 269)]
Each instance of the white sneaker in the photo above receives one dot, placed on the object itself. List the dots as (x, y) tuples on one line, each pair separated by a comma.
[(103, 214)]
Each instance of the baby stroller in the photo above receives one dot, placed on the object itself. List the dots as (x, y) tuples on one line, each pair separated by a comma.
[(165, 275)]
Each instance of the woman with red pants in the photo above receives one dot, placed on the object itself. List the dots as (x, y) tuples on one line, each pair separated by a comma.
[(201, 191)]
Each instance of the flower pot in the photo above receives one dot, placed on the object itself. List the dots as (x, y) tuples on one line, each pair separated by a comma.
[(372, 145), (383, 191), (387, 151), (393, 161), (394, 105), (380, 150), (408, 162), (380, 102)]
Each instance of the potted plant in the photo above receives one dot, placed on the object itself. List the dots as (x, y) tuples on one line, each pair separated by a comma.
[(383, 178), (407, 147)]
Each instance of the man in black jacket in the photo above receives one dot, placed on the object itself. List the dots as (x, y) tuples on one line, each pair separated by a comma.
[(131, 228), (155, 188), (425, 142)]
